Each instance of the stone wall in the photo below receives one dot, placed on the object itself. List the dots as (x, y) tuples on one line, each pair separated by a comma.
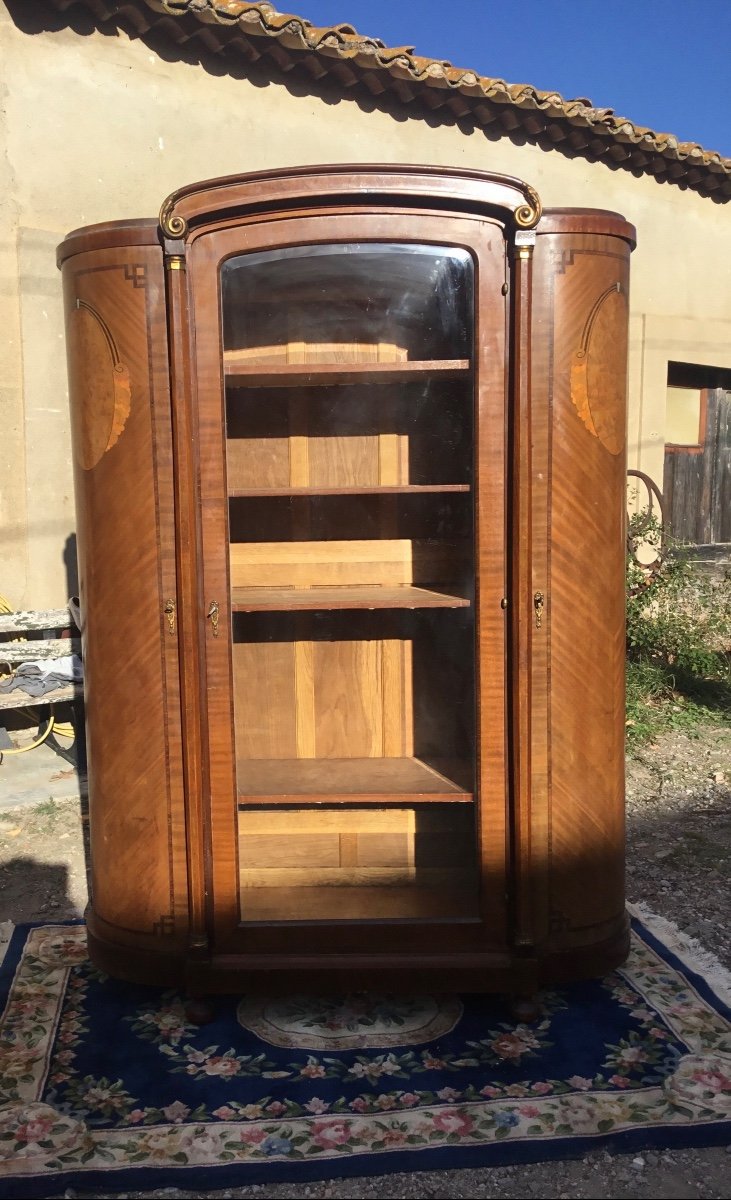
[(96, 127)]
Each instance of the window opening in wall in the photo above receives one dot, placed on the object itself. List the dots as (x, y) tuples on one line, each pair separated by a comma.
[(694, 375), (684, 417), (686, 403), (696, 474)]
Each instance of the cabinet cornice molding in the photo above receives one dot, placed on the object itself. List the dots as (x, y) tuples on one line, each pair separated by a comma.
[(479, 191)]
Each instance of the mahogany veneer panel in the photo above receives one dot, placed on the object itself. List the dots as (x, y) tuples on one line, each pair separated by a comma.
[(581, 286), (122, 443), (344, 781)]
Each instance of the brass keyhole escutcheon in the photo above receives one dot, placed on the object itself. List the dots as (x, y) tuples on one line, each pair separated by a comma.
[(538, 605), (212, 615), (169, 611)]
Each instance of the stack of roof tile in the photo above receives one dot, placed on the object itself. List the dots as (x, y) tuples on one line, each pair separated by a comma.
[(352, 61)]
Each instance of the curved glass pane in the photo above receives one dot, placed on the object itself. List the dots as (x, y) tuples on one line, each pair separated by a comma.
[(349, 412)]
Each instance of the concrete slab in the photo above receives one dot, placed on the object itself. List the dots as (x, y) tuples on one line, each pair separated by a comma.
[(38, 775)]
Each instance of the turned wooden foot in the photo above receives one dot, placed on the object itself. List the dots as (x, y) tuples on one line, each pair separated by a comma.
[(199, 1010), (525, 1009)]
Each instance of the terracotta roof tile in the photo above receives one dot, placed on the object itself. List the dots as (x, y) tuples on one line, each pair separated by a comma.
[(546, 116)]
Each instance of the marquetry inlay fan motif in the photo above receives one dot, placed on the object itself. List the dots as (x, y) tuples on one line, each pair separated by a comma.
[(597, 389), (102, 383)]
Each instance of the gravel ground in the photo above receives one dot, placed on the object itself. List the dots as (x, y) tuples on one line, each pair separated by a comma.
[(679, 854)]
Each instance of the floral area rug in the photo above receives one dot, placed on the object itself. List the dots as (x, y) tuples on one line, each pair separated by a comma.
[(106, 1086)]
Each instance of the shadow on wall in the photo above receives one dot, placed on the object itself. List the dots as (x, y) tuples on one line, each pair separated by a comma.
[(183, 39)]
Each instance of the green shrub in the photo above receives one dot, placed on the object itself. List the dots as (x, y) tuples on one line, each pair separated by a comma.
[(678, 637)]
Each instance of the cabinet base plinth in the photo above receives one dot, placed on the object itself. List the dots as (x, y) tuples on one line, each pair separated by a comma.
[(494, 971), (146, 962)]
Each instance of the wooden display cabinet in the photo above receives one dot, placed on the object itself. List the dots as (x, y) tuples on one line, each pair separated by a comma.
[(349, 448)]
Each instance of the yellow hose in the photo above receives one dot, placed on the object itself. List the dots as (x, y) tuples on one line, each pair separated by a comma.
[(32, 745)]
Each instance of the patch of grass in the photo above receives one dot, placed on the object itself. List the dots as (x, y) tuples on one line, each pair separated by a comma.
[(663, 700), (47, 808)]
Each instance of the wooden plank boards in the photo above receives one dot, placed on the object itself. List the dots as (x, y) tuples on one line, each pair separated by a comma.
[(318, 563), (19, 622), (324, 699), (301, 352), (697, 479), (241, 372), (379, 561), (344, 781), (362, 903), (29, 651), (20, 699), (333, 849), (284, 599), (346, 848)]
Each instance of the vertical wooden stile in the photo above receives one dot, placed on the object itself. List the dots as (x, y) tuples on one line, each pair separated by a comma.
[(190, 600), (523, 614)]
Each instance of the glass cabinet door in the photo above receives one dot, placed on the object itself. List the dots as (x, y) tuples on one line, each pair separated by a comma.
[(349, 396)]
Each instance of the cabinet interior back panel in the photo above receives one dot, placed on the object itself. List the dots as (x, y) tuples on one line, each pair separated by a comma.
[(305, 461), (384, 561), (386, 847), (352, 435), (323, 699), (258, 463)]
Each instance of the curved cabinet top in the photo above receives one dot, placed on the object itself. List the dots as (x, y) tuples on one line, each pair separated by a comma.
[(214, 200), (199, 207)]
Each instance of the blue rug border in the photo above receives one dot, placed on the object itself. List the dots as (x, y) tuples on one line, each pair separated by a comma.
[(210, 1179), (216, 1178), (14, 951), (703, 988)]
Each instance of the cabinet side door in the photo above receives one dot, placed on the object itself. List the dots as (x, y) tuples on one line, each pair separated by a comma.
[(579, 500), (120, 404)]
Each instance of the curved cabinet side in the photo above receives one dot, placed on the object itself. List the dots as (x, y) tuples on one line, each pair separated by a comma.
[(580, 324), (121, 427)]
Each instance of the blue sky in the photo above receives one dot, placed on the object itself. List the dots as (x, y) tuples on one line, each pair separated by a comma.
[(665, 64)]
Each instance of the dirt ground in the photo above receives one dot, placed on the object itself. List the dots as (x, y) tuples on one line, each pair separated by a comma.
[(679, 858)]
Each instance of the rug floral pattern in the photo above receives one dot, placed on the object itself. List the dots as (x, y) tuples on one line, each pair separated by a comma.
[(100, 1076)]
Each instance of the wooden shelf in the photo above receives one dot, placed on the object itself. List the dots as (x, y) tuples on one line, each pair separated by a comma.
[(405, 489), (243, 373), (328, 781), (280, 599), (328, 904)]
